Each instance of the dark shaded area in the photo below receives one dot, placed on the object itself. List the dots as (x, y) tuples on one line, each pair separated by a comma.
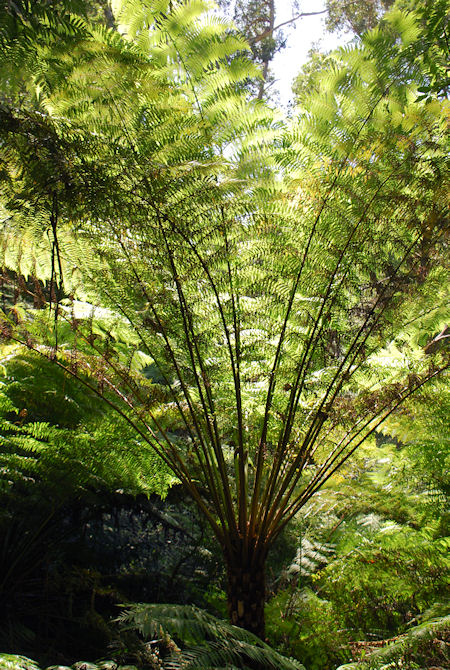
[(63, 573)]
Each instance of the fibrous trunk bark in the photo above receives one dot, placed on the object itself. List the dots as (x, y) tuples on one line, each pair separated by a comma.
[(246, 593)]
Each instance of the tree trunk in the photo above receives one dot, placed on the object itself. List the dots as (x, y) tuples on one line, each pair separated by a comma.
[(269, 56), (246, 594)]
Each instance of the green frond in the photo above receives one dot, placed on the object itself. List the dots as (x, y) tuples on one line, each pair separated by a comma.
[(14, 662), (53, 437), (416, 644), (207, 642)]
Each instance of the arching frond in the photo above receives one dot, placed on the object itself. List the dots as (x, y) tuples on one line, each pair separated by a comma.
[(207, 642)]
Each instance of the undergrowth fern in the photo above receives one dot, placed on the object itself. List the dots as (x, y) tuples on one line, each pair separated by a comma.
[(175, 637), (207, 642), (424, 646)]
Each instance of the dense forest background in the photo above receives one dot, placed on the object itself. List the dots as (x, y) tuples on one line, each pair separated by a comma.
[(223, 339)]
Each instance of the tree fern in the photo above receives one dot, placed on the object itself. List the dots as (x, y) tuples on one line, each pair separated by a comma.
[(262, 266)]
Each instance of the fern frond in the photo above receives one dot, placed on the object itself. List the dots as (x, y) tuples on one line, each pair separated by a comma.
[(220, 645)]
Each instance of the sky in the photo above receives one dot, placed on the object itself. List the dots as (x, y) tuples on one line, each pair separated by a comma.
[(308, 31), (300, 37)]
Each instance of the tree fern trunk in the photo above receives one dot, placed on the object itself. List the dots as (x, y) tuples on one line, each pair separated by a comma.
[(246, 594)]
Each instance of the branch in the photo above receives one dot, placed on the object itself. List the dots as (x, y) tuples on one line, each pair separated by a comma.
[(269, 31)]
